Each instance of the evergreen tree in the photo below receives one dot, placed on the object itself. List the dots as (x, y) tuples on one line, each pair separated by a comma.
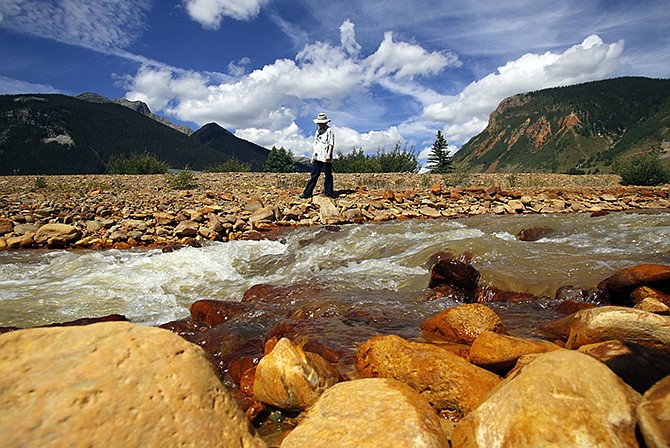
[(280, 161), (439, 161)]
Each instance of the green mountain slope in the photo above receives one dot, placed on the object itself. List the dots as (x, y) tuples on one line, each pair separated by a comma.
[(581, 129), (58, 134)]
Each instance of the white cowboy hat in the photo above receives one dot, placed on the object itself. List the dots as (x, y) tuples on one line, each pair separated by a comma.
[(321, 118)]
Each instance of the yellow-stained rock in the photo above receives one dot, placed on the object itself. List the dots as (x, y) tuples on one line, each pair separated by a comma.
[(653, 412), (113, 384), (497, 351), (451, 385), (463, 323), (292, 379), (561, 399), (626, 324), (369, 413)]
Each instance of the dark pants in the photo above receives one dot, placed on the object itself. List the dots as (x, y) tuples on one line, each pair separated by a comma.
[(317, 167)]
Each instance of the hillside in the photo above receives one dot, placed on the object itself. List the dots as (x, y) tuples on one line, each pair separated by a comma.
[(59, 134), (583, 128)]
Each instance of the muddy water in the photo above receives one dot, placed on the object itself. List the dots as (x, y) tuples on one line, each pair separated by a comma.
[(377, 265)]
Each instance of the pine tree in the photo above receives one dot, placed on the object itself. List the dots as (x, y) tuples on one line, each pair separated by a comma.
[(439, 161), (280, 161)]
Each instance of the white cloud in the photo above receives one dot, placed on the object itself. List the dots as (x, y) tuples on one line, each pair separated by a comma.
[(9, 86), (402, 60), (275, 95), (466, 114), (101, 26), (210, 13)]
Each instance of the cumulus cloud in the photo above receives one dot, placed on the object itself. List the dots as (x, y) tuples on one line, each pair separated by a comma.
[(101, 26), (210, 13), (274, 96), (466, 114)]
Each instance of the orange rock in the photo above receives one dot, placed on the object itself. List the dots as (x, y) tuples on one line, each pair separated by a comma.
[(450, 384), (619, 286), (500, 352), (463, 323), (292, 379)]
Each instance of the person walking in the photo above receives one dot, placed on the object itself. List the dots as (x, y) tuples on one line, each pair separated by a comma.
[(322, 158)]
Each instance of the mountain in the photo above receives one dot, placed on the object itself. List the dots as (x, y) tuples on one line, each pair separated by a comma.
[(59, 134), (583, 128), (220, 139)]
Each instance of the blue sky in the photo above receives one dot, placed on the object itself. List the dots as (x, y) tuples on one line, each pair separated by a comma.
[(384, 71)]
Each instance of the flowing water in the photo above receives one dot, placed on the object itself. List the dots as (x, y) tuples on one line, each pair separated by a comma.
[(385, 265)]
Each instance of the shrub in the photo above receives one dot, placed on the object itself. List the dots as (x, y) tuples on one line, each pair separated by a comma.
[(399, 160), (182, 180), (40, 183), (230, 166), (144, 163), (644, 169), (280, 160)]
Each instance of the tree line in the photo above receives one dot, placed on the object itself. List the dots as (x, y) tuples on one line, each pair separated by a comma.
[(400, 159)]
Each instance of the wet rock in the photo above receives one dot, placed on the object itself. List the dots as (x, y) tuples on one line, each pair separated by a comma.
[(652, 305), (113, 384), (57, 234), (490, 294), (450, 384), (463, 323), (357, 413), (461, 277), (499, 353), (645, 292), (292, 379), (619, 286), (570, 307), (625, 324), (211, 313), (562, 398), (534, 233), (640, 367), (653, 412), (279, 294)]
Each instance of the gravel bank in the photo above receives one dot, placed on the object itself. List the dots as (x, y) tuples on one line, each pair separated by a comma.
[(103, 211)]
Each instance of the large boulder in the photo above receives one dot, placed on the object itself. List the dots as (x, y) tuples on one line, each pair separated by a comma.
[(653, 413), (562, 398), (292, 379), (625, 324), (368, 413), (463, 323), (113, 384), (453, 386)]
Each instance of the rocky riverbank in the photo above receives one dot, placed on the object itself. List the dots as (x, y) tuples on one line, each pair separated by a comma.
[(105, 211)]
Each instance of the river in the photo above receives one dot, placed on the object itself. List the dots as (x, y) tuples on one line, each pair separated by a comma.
[(383, 264)]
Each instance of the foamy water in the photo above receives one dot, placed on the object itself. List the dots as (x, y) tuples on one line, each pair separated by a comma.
[(380, 262)]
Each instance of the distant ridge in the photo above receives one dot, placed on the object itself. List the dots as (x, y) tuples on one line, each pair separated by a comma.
[(137, 106), (59, 134), (577, 129)]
